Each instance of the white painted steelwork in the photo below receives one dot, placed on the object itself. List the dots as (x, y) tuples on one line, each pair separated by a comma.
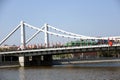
[(9, 34), (23, 42), (46, 35), (72, 34), (34, 35), (44, 29)]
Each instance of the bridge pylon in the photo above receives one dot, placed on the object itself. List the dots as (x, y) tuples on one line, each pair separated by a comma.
[(23, 40), (46, 35)]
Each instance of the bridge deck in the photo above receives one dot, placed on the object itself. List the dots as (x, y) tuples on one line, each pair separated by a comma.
[(63, 50)]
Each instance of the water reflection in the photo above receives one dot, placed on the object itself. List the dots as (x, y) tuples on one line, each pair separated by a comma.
[(21, 73), (63, 72)]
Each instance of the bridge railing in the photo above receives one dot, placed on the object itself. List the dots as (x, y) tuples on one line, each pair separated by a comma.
[(57, 46)]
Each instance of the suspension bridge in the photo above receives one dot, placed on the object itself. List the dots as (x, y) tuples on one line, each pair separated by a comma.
[(42, 54)]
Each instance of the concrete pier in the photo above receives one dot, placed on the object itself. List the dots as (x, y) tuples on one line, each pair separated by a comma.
[(24, 61), (45, 60)]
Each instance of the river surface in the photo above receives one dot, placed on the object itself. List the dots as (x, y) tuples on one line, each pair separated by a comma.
[(98, 71)]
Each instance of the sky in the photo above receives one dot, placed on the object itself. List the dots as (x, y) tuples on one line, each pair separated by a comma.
[(85, 17)]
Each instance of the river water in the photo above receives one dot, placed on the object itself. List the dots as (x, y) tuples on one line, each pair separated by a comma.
[(96, 71)]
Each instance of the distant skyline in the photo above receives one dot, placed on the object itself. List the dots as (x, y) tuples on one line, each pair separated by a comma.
[(84, 17)]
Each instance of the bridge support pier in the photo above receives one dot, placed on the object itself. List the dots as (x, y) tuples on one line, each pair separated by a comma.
[(45, 60), (24, 61)]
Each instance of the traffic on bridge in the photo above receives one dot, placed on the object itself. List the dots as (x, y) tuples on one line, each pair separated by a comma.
[(79, 46)]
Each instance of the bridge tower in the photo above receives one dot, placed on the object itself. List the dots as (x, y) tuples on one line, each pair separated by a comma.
[(46, 35), (23, 42)]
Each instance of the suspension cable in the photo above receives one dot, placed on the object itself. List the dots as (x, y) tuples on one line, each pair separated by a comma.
[(69, 33)]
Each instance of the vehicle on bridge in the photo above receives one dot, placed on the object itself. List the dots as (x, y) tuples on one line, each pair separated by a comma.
[(85, 42), (88, 42)]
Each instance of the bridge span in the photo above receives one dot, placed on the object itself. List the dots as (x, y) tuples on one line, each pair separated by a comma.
[(43, 56), (63, 50)]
